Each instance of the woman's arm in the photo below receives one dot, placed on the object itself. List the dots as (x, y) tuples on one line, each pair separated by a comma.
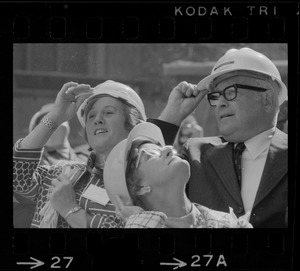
[(26, 174), (68, 100)]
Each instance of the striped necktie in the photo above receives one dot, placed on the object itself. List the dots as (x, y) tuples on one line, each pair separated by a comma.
[(237, 155)]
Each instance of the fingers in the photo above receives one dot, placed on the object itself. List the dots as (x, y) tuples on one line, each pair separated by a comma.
[(63, 178), (71, 91), (70, 173), (185, 88), (66, 86), (201, 94), (66, 180), (191, 90), (78, 89), (195, 92), (66, 169)]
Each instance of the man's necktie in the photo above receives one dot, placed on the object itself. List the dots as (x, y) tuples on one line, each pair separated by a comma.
[(237, 155)]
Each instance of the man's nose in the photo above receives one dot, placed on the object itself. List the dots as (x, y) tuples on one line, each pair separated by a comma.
[(221, 102)]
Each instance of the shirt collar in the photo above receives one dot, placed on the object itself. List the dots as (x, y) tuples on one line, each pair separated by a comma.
[(193, 219), (259, 143)]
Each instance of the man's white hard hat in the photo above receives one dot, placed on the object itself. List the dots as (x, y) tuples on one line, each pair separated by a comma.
[(245, 59)]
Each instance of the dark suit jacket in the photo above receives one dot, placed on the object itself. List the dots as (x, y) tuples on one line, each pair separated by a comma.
[(213, 183)]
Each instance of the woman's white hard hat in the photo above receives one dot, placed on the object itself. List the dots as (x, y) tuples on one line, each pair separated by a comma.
[(116, 90)]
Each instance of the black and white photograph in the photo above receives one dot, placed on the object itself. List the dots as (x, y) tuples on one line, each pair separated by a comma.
[(150, 135)]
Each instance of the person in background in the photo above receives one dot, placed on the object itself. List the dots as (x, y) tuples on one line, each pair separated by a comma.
[(58, 146), (189, 128), (143, 172)]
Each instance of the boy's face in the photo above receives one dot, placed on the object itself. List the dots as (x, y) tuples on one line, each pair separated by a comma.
[(160, 166)]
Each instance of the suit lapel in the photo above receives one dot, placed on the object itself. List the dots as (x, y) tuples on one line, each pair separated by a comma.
[(275, 167), (221, 160)]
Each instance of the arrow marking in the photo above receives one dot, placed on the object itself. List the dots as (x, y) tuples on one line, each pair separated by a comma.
[(34, 264), (179, 264)]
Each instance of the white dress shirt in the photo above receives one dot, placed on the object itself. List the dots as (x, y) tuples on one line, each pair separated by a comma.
[(253, 162)]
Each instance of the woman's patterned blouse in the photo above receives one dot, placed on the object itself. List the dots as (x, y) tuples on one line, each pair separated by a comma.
[(32, 181)]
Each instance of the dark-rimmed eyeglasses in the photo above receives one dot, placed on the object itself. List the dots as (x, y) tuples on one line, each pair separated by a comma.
[(230, 93)]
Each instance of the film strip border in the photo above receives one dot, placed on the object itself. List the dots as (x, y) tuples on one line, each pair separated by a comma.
[(165, 22), (133, 29), (150, 250), (146, 22)]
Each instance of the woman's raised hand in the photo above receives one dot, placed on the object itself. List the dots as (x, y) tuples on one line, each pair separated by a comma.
[(68, 100)]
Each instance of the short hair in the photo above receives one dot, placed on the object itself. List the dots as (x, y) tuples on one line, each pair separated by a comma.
[(133, 176), (131, 113)]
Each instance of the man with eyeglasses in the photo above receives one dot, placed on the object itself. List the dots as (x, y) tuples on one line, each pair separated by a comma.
[(250, 172)]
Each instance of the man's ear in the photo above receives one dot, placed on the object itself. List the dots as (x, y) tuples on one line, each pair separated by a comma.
[(268, 100), (144, 190)]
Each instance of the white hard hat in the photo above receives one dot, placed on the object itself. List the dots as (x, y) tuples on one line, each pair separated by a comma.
[(248, 60), (116, 90), (116, 162)]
